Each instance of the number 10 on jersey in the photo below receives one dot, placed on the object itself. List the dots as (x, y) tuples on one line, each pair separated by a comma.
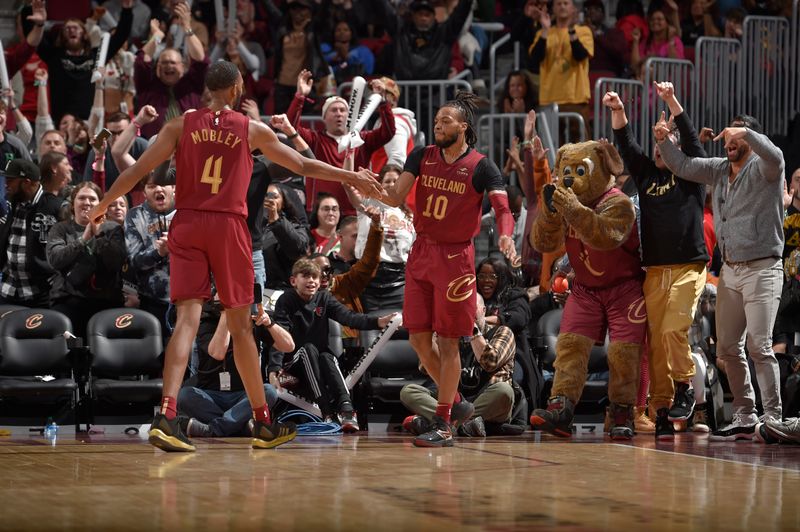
[(436, 207), (212, 176)]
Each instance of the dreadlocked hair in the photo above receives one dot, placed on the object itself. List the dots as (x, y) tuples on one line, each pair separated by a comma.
[(467, 103)]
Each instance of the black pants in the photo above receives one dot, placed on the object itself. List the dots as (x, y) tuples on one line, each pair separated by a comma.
[(80, 310), (385, 290), (40, 301), (324, 379), (159, 310)]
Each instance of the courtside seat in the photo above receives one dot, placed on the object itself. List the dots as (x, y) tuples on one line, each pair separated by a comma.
[(595, 392), (395, 366), (125, 346), (35, 363)]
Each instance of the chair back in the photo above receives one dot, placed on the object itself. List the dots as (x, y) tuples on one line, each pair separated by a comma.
[(124, 341), (32, 342)]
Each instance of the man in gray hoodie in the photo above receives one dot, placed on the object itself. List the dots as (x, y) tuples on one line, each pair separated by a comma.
[(747, 194)]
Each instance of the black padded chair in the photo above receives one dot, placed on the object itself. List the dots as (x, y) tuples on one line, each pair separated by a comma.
[(595, 392), (395, 366), (33, 345), (125, 346)]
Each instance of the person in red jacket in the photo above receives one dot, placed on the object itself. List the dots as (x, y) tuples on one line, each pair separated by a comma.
[(324, 144)]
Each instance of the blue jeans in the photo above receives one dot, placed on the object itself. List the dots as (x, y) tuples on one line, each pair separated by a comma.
[(226, 413), (260, 268)]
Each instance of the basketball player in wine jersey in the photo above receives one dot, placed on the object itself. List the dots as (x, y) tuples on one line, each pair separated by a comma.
[(209, 236), (440, 275)]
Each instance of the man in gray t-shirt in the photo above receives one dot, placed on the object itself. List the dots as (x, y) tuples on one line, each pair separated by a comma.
[(747, 194)]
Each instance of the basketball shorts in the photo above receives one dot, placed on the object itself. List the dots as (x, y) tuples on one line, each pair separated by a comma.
[(440, 288), (202, 243), (619, 309)]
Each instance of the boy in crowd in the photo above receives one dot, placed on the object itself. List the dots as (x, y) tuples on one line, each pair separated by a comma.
[(304, 313)]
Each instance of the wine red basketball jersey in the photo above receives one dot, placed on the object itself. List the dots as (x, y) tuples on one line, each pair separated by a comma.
[(214, 164), (448, 206)]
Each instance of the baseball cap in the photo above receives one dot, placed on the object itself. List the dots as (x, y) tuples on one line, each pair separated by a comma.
[(21, 169), (302, 4), (419, 5)]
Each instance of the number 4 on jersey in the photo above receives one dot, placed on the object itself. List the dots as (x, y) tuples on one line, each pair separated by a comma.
[(212, 178)]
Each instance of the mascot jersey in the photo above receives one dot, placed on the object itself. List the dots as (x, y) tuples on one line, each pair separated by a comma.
[(602, 269)]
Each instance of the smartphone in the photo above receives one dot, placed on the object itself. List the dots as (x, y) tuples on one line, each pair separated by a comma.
[(97, 143), (257, 308)]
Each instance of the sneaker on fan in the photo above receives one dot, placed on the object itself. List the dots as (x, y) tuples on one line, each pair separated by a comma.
[(198, 429), (742, 427), (440, 435), (472, 428), (699, 420), (461, 411), (665, 431), (349, 421), (683, 402), (642, 422), (416, 425), (787, 431), (761, 434)]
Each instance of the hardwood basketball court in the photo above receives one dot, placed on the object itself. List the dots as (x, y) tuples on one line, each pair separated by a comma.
[(379, 481)]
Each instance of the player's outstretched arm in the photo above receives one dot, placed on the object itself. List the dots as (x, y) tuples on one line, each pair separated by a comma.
[(264, 139), (157, 153)]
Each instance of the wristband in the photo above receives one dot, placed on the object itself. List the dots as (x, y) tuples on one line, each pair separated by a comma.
[(293, 135), (38, 83), (188, 33), (271, 324), (476, 332)]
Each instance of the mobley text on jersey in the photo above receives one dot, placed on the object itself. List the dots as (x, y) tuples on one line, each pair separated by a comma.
[(220, 137)]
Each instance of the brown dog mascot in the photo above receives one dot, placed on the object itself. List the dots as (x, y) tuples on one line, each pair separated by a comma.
[(597, 224)]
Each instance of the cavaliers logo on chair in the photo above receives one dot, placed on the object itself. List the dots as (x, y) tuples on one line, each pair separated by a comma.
[(123, 320), (34, 321)]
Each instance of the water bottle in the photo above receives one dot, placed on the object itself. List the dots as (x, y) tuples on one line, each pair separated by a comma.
[(51, 431)]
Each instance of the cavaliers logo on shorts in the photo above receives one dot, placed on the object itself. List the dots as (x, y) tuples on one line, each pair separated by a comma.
[(459, 288), (637, 312)]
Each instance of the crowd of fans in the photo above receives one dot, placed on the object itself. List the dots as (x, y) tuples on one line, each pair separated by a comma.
[(292, 56)]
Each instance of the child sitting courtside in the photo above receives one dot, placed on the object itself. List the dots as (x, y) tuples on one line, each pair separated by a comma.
[(304, 312)]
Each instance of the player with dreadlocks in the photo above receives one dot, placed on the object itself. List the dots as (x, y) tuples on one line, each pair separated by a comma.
[(440, 275)]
